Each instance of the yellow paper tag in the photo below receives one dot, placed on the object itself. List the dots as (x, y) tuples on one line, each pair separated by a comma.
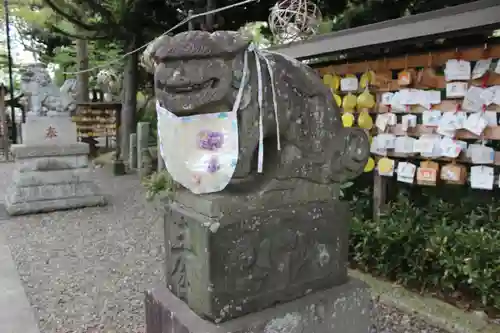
[(370, 165), (347, 119), (385, 166)]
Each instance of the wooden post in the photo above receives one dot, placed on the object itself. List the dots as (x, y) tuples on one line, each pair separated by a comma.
[(190, 22), (209, 20), (3, 120), (379, 194), (118, 118), (118, 165)]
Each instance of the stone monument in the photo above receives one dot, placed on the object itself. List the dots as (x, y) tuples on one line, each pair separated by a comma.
[(268, 253), (51, 167)]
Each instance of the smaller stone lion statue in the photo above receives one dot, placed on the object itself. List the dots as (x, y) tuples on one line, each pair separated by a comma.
[(45, 97)]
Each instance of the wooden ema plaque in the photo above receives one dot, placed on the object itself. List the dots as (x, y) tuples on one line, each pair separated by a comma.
[(454, 174), (427, 173)]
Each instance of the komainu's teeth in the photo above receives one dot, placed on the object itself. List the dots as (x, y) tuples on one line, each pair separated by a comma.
[(194, 87)]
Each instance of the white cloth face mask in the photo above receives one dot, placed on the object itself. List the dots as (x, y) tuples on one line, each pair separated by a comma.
[(200, 151)]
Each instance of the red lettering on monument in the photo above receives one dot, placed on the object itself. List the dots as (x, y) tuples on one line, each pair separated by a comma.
[(50, 132)]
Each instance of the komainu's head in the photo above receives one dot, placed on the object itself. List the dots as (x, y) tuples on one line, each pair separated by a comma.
[(35, 74), (198, 72), (195, 70)]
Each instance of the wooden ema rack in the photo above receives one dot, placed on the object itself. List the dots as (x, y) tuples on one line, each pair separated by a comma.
[(386, 70), (390, 84), (96, 119)]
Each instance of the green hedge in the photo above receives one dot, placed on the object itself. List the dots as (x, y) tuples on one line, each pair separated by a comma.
[(433, 239)]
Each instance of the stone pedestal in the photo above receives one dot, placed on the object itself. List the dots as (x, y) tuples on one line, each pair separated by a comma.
[(267, 263), (254, 257), (347, 308), (51, 169)]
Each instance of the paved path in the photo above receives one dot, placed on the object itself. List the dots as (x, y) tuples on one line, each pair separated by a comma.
[(16, 315)]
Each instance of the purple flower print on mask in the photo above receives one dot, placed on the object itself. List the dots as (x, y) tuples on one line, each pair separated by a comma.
[(213, 165), (210, 140)]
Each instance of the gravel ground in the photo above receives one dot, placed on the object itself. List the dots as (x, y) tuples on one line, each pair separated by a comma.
[(85, 270), (391, 320)]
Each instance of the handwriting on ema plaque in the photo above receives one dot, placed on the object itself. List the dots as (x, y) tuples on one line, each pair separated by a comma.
[(50, 133)]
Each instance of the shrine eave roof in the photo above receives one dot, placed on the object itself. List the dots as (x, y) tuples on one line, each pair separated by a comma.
[(453, 21)]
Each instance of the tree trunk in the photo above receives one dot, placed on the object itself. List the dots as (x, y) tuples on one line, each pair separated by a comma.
[(82, 56), (210, 17), (129, 102)]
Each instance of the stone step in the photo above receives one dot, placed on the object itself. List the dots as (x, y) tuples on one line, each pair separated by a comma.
[(42, 206), (23, 151), (52, 163), (52, 177), (50, 192), (347, 308)]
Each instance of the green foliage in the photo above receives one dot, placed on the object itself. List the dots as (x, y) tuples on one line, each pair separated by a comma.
[(255, 31), (259, 33), (327, 25), (98, 55), (159, 184), (448, 245)]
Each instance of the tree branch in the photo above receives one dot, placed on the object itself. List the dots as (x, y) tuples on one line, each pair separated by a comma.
[(101, 10), (70, 18), (33, 48), (75, 36)]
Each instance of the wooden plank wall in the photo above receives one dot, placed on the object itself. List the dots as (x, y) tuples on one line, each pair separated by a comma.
[(386, 70)]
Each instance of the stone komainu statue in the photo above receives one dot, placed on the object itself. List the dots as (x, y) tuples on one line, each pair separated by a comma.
[(196, 71), (44, 96), (268, 237)]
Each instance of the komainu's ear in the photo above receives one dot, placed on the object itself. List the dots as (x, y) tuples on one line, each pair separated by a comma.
[(353, 153)]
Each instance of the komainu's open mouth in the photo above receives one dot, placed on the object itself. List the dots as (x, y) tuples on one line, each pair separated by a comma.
[(188, 88)]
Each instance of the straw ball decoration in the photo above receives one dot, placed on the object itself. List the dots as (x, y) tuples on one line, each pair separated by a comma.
[(293, 20)]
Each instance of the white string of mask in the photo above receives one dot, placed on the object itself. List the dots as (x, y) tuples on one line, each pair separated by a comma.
[(261, 55)]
